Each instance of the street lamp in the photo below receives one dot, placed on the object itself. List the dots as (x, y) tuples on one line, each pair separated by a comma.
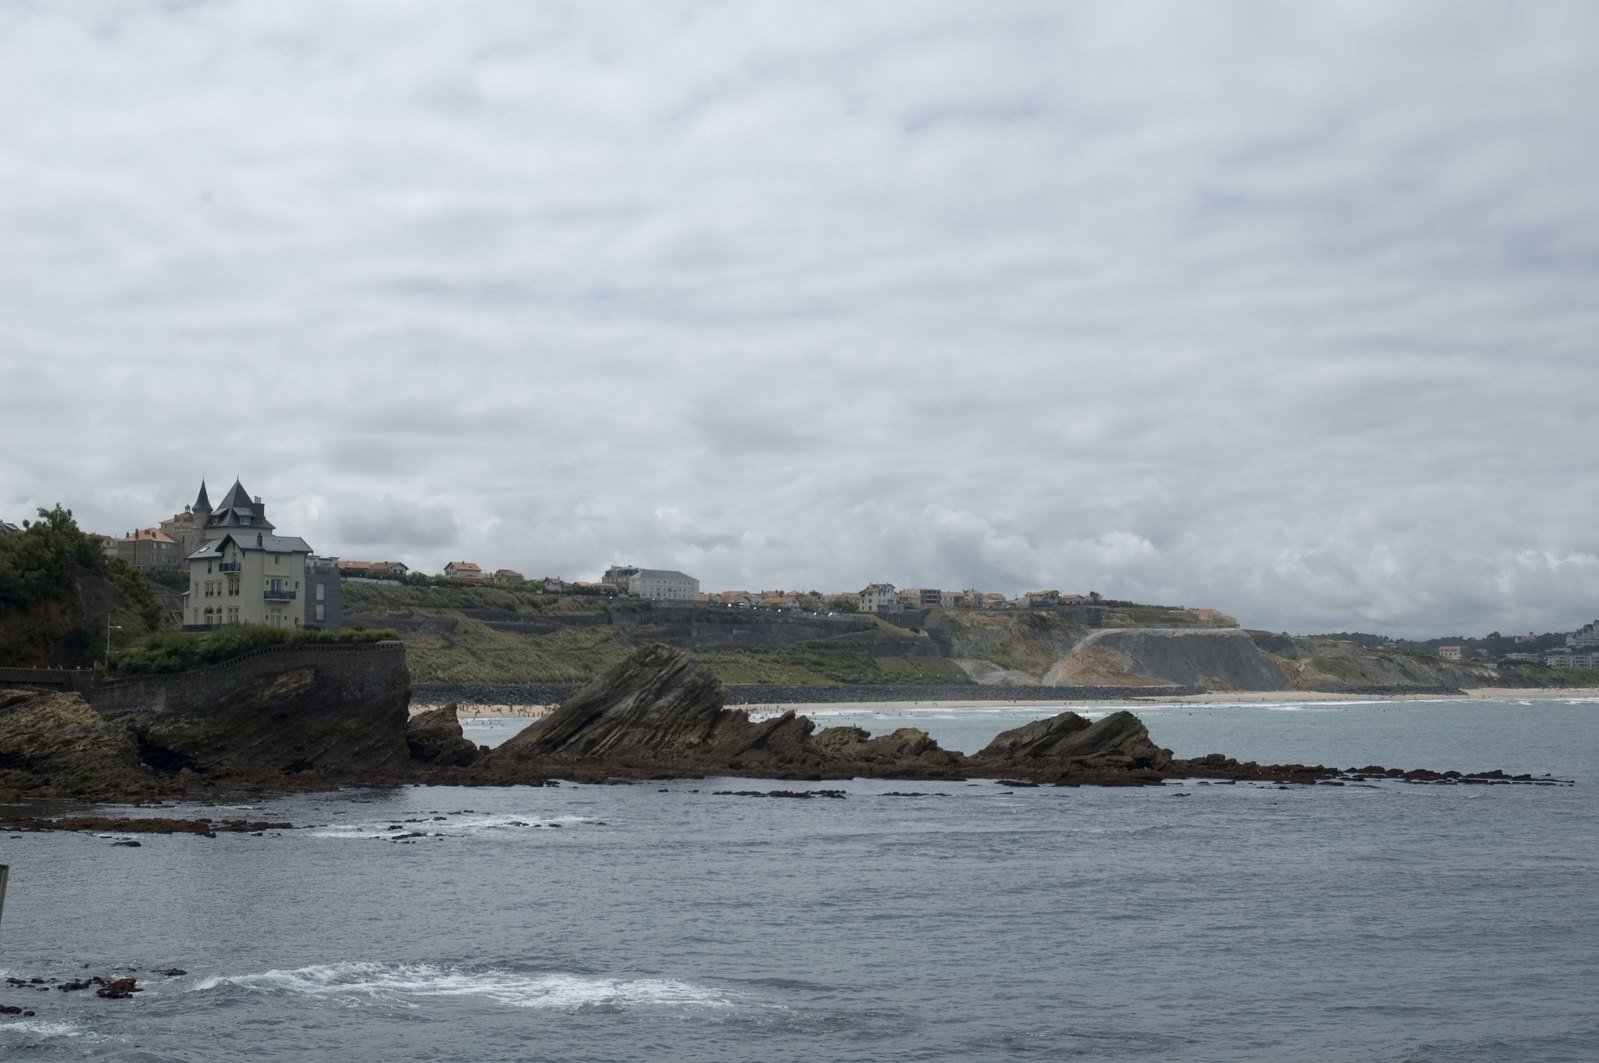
[(109, 627)]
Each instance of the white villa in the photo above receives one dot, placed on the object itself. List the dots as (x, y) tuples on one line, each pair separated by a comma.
[(880, 598), (242, 573)]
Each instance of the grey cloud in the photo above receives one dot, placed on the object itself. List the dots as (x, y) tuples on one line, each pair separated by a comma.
[(1287, 311)]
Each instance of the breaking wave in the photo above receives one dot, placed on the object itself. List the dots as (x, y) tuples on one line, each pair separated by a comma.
[(407, 984)]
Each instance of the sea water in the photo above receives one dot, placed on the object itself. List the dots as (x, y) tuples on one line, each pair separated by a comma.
[(901, 921)]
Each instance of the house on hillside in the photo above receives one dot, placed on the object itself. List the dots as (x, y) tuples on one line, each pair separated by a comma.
[(507, 575), (880, 598), (8, 529), (150, 549), (243, 572), (464, 570)]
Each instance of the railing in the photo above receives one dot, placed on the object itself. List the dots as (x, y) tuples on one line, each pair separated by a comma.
[(279, 594), (229, 566)]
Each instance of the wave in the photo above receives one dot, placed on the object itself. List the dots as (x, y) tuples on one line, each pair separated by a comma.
[(406, 983), (40, 1029), (452, 826)]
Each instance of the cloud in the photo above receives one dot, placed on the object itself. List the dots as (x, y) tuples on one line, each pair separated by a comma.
[(1281, 310)]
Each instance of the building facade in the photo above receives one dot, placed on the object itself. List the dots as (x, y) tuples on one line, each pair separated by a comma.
[(324, 595), (880, 598), (661, 584), (242, 573)]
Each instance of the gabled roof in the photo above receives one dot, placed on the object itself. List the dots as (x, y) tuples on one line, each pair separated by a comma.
[(248, 543), (238, 510)]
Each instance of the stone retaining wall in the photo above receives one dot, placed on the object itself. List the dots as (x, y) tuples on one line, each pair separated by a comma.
[(362, 670)]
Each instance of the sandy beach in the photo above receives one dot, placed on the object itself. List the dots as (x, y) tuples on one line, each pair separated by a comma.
[(1227, 697)]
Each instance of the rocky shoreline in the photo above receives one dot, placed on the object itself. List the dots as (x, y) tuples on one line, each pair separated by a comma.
[(655, 716)]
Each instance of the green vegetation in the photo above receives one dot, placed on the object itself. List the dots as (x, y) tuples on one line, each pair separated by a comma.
[(47, 573), (475, 653), (181, 651)]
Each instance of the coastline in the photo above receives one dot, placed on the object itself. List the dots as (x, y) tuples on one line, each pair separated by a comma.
[(1228, 697)]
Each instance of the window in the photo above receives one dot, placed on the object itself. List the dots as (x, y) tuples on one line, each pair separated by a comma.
[(320, 616), (319, 589)]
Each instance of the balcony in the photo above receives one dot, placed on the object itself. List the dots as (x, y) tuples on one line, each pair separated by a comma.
[(229, 566), (279, 594)]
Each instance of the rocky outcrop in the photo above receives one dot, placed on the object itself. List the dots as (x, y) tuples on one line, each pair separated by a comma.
[(434, 738), (298, 721), (657, 714), (52, 744), (298, 727), (1070, 743)]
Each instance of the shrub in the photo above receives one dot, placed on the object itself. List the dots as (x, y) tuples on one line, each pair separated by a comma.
[(182, 651)]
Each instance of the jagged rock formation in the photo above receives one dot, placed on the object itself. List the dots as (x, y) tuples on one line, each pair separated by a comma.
[(53, 744), (1070, 742), (434, 737), (657, 714)]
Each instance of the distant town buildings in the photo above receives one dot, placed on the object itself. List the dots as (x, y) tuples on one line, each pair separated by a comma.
[(373, 569)]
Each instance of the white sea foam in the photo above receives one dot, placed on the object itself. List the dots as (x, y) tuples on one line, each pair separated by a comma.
[(449, 826), (404, 984), (40, 1028)]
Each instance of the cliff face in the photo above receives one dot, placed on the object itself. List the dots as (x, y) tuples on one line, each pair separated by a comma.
[(1218, 659), (1329, 664), (311, 719)]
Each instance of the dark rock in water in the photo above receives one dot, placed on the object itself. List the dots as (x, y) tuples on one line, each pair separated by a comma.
[(907, 751), (658, 715), (1069, 743), (12, 1009), (435, 737), (118, 989)]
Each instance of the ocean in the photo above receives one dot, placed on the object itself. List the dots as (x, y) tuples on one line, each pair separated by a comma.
[(890, 920)]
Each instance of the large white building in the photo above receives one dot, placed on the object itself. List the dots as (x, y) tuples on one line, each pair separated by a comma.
[(243, 573), (880, 598), (658, 584)]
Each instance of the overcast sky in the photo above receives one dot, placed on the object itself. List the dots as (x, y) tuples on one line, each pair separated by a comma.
[(1291, 310)]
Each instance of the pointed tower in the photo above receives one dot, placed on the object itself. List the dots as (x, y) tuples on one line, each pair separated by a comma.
[(194, 533)]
